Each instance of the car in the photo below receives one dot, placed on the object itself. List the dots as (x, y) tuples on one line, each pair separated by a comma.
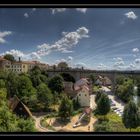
[(113, 104), (114, 108)]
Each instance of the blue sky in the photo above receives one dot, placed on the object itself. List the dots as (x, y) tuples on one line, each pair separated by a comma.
[(96, 38)]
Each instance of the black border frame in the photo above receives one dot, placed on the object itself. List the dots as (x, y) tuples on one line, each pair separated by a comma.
[(86, 4)]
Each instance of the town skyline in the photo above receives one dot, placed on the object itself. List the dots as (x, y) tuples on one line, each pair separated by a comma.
[(95, 38)]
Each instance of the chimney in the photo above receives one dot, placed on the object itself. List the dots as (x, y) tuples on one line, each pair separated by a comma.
[(19, 59)]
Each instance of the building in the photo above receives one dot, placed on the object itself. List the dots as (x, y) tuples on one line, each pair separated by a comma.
[(20, 66), (81, 90), (19, 108)]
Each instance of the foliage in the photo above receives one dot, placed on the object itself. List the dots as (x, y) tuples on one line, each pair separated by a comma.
[(36, 76), (66, 108), (44, 94), (12, 84), (76, 104), (103, 105), (98, 95), (125, 91), (25, 89), (56, 84), (93, 78), (131, 116), (62, 65), (2, 83), (9, 57)]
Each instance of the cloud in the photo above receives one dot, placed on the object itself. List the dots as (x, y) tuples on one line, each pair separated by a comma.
[(102, 66), (57, 10), (15, 53), (135, 50), (137, 61), (26, 15), (3, 35), (119, 63), (80, 65), (131, 15), (70, 58), (68, 41), (33, 9), (83, 10)]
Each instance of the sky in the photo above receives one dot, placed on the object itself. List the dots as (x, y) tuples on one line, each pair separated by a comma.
[(95, 38)]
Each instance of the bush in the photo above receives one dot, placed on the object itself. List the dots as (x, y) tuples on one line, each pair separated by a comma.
[(102, 127)]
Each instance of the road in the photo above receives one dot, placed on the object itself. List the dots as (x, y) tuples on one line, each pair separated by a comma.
[(38, 126)]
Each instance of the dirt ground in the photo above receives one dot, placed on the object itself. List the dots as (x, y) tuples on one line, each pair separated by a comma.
[(83, 127)]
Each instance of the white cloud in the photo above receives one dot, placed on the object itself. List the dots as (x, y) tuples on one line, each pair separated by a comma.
[(137, 61), (70, 58), (15, 53), (83, 10), (26, 15), (57, 10), (102, 66), (80, 65), (135, 50), (34, 9), (131, 15), (119, 63), (3, 35), (63, 45)]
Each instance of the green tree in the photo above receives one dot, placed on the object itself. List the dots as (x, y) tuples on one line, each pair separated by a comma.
[(37, 77), (125, 91), (9, 57), (2, 83), (98, 95), (25, 89), (138, 89), (66, 108), (68, 77), (62, 65), (131, 116), (93, 77), (103, 105), (27, 125), (56, 84), (44, 94), (76, 104), (12, 84)]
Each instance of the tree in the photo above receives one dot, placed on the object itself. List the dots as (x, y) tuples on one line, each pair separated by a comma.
[(125, 91), (131, 116), (138, 89), (56, 84), (37, 77), (62, 65), (98, 95), (103, 105), (26, 125), (9, 57), (2, 83), (44, 94), (12, 84), (76, 104), (93, 78), (66, 108), (68, 77), (25, 89)]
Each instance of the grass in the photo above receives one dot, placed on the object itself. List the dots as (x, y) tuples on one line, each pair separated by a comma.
[(96, 88)]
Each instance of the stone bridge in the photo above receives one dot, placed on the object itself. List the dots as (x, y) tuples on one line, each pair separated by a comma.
[(84, 73)]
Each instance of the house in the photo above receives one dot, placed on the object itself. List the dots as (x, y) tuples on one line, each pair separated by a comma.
[(103, 80), (19, 108), (20, 66), (82, 88)]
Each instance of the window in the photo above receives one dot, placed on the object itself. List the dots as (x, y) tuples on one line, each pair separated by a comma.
[(79, 94)]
